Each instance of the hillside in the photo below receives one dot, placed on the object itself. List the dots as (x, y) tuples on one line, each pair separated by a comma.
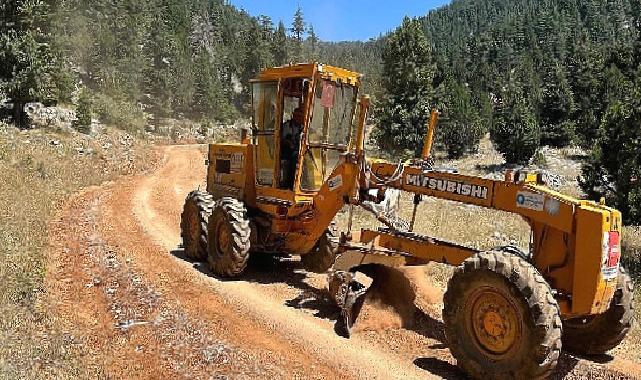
[(135, 60), (568, 59)]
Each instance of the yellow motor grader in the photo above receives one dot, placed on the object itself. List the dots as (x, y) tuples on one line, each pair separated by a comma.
[(506, 312)]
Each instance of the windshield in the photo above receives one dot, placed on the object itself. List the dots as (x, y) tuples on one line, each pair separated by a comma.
[(330, 130), (333, 113)]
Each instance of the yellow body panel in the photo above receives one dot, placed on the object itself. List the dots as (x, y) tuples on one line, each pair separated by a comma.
[(326, 204), (230, 172), (309, 70)]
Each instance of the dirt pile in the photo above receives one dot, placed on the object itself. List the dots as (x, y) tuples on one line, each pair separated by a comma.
[(393, 296)]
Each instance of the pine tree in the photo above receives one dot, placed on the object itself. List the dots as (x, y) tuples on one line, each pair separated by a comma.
[(212, 96), (279, 46), (614, 168), (312, 42), (557, 109), (408, 72), (586, 71), (298, 31), (515, 131), (258, 56), (27, 63), (461, 128)]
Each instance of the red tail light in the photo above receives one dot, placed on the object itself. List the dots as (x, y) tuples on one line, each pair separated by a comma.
[(614, 249)]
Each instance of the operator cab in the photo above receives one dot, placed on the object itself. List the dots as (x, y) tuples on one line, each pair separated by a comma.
[(302, 122)]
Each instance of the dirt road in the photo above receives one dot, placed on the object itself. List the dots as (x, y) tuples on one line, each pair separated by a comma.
[(139, 309)]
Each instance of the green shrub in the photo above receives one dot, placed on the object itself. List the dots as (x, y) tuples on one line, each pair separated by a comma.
[(119, 113), (540, 160), (83, 112), (614, 168), (516, 134), (558, 135)]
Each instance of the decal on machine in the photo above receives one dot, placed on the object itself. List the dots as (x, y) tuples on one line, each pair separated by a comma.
[(552, 206), (531, 201), (335, 183), (611, 255), (266, 177), (237, 162), (453, 187), (229, 163)]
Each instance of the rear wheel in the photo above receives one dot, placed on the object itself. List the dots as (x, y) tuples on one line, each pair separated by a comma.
[(501, 319), (228, 238), (598, 334), (193, 224), (322, 257)]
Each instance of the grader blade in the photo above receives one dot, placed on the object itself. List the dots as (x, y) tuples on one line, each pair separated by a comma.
[(373, 297)]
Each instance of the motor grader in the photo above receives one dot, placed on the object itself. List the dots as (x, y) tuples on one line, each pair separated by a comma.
[(506, 312)]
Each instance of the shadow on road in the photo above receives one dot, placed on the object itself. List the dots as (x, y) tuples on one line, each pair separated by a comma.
[(429, 327), (449, 371), (440, 368), (269, 269)]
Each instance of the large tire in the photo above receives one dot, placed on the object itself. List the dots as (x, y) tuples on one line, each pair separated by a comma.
[(228, 238), (501, 319), (323, 255), (193, 224), (598, 334)]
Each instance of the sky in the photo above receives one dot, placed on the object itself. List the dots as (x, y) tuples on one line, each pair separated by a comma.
[(335, 20)]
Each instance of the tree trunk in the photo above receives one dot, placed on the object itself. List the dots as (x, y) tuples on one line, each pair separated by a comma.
[(19, 117)]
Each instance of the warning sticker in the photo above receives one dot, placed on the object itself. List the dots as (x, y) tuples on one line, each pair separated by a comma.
[(531, 201), (237, 163), (335, 183), (266, 177), (611, 255), (327, 99), (552, 206)]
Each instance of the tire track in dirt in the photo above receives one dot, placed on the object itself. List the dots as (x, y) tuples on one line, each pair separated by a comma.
[(176, 320), (354, 358)]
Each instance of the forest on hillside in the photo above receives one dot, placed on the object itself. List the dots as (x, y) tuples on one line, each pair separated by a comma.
[(529, 72), (182, 58)]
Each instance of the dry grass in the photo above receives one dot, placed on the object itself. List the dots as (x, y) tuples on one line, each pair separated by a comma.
[(38, 170), (632, 250), (632, 262)]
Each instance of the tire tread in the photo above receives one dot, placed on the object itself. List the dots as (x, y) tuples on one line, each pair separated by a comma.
[(538, 297)]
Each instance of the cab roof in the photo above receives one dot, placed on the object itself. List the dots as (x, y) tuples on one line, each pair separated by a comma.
[(309, 70)]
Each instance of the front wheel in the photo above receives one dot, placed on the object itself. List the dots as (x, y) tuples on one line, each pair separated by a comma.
[(323, 255), (597, 334), (501, 319), (228, 238)]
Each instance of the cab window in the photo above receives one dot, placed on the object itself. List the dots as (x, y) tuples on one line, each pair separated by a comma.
[(264, 98), (329, 131), (294, 96)]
